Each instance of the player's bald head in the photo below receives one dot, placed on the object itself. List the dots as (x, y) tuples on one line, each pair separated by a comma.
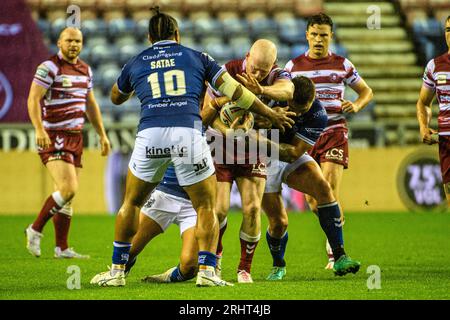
[(260, 59), (70, 32), (264, 50)]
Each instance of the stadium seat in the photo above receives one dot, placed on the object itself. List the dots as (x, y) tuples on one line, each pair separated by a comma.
[(283, 54), (107, 75), (263, 26), (298, 49), (96, 40), (57, 26), (93, 27), (128, 51), (280, 6), (102, 53), (219, 51), (44, 26), (186, 27), (306, 8), (118, 27), (53, 5), (208, 26), (292, 31), (234, 26), (125, 39), (240, 45)]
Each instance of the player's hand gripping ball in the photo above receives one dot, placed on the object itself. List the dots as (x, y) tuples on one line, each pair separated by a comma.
[(230, 111)]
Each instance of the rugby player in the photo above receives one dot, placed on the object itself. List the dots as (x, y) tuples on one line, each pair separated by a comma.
[(301, 172), (168, 79), (60, 95), (258, 73), (436, 81), (331, 74)]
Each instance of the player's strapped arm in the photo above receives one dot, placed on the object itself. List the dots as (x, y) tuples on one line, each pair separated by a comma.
[(247, 100), (423, 107), (119, 97), (280, 90), (95, 118), (365, 94), (37, 92)]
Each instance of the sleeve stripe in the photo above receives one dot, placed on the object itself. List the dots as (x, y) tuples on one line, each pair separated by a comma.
[(307, 140), (217, 75)]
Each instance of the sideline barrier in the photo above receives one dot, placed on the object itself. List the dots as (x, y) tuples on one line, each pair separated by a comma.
[(369, 185)]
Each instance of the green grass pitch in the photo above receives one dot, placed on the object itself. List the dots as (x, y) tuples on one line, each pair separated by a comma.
[(412, 251)]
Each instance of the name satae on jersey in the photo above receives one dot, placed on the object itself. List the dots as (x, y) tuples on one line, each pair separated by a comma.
[(164, 63)]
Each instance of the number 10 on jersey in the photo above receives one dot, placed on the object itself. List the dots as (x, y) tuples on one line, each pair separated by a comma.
[(174, 83)]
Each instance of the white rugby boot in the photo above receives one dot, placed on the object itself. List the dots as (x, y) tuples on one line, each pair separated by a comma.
[(33, 241), (69, 253), (208, 278), (244, 277), (159, 278), (110, 278)]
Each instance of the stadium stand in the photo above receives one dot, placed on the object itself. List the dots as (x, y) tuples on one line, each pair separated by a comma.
[(391, 59)]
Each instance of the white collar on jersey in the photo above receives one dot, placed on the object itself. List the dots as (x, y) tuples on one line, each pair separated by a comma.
[(163, 42), (307, 53)]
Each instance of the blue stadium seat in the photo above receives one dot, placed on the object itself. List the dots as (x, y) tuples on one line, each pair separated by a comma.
[(128, 51), (101, 54), (298, 49), (57, 26), (142, 28), (283, 53), (120, 26), (94, 27), (263, 27), (219, 51), (186, 27), (208, 26), (125, 39), (44, 26), (96, 40), (107, 75), (240, 46), (234, 26), (292, 31)]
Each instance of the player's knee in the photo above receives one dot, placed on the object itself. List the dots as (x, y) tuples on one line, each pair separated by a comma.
[(278, 226), (68, 191), (252, 211), (221, 213), (323, 192)]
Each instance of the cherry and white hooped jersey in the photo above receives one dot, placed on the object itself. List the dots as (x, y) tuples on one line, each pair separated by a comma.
[(330, 75), (67, 86), (437, 78)]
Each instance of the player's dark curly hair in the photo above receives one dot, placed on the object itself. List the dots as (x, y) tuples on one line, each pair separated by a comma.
[(320, 18), (161, 26), (304, 92)]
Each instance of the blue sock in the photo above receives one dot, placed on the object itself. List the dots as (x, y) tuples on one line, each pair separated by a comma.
[(277, 248), (121, 252), (330, 221), (206, 258), (177, 276)]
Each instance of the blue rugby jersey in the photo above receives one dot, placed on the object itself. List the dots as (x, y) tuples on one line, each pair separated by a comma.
[(168, 79), (309, 126), (169, 184)]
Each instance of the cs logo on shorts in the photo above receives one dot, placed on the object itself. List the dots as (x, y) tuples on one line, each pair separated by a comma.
[(259, 168), (335, 154)]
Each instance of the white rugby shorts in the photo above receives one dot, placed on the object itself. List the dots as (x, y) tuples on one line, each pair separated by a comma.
[(165, 209), (186, 148), (278, 171)]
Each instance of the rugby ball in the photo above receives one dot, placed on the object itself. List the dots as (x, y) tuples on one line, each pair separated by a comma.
[(230, 111)]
